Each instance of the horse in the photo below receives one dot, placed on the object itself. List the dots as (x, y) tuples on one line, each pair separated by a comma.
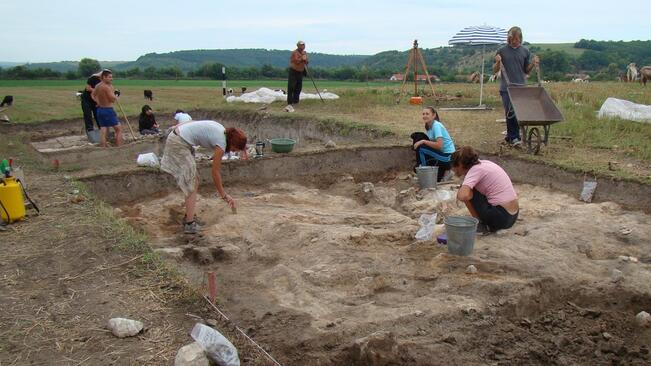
[(474, 77), (631, 72), (645, 74)]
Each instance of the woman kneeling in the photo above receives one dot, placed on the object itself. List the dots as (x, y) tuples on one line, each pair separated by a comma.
[(486, 190)]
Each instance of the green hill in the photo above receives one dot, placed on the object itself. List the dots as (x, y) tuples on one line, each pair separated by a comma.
[(193, 59)]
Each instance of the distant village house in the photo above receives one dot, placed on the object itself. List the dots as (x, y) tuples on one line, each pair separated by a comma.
[(420, 77)]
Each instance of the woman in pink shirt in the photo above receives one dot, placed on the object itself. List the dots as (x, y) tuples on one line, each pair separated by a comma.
[(486, 190)]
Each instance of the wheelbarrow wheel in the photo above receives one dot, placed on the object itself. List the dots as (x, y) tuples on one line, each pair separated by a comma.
[(534, 140)]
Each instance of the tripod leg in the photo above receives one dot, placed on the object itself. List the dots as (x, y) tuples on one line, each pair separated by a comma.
[(422, 62), (404, 80)]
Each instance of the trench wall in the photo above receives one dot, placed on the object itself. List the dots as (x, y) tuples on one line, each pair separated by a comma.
[(368, 163)]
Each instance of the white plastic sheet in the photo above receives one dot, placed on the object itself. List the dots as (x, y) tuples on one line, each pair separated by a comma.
[(217, 347), (266, 95), (427, 224), (625, 109)]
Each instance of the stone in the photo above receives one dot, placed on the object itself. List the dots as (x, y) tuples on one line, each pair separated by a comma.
[(616, 276), (330, 144), (122, 327), (606, 335), (378, 349), (211, 322), (642, 319), (367, 187), (192, 354), (471, 269), (230, 250), (171, 252)]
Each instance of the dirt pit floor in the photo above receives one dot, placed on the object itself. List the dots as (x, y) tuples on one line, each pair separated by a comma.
[(332, 274)]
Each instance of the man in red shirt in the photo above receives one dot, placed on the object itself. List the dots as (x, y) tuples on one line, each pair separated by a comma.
[(297, 62)]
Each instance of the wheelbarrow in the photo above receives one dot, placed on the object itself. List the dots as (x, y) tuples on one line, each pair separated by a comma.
[(533, 108)]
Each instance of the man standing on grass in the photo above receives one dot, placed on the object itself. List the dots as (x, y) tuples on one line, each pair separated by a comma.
[(297, 62), (517, 64), (88, 105), (104, 95)]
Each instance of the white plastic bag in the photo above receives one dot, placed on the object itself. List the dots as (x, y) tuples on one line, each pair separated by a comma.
[(427, 223), (589, 187), (624, 109), (217, 347), (148, 159)]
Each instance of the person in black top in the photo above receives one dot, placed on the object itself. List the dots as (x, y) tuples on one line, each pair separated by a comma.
[(147, 122), (88, 105)]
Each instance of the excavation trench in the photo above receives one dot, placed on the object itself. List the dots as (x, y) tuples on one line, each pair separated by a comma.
[(321, 266)]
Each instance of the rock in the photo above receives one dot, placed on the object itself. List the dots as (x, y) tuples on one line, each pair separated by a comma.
[(122, 327), (642, 319), (78, 198), (230, 250), (471, 269), (211, 322), (606, 335), (192, 354), (330, 144), (171, 252), (616, 276), (404, 177), (377, 349), (418, 313), (367, 187)]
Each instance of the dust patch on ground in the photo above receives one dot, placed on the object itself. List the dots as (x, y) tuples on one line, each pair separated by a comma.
[(312, 271)]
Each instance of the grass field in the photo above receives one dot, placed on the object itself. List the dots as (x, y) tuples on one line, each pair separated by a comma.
[(566, 47), (582, 142)]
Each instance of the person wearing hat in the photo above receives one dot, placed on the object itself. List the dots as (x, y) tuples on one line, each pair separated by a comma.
[(88, 105), (297, 62)]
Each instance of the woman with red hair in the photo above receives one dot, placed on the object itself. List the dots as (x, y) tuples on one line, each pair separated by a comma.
[(178, 160)]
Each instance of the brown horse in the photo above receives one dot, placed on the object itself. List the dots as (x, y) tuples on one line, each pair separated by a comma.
[(645, 74)]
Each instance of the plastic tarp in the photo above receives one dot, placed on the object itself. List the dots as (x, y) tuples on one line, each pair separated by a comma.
[(624, 109), (266, 95)]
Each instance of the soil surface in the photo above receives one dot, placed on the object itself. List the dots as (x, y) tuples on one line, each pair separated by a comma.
[(332, 274)]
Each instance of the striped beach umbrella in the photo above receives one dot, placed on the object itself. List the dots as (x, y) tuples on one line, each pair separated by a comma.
[(481, 35)]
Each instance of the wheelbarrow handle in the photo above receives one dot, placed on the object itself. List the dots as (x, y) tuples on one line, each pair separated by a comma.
[(539, 74)]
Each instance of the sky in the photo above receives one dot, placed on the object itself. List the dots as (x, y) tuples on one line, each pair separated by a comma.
[(118, 30)]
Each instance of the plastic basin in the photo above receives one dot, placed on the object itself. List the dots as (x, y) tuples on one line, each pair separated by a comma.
[(282, 145)]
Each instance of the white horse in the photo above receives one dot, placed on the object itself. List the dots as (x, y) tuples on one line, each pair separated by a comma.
[(631, 72)]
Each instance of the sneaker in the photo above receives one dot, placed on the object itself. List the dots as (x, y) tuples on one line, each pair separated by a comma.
[(482, 229), (516, 142), (190, 227), (289, 108), (196, 219)]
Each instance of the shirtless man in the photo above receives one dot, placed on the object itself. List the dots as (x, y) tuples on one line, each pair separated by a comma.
[(104, 96)]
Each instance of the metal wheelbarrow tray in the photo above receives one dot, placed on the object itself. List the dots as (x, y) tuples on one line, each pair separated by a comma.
[(533, 107)]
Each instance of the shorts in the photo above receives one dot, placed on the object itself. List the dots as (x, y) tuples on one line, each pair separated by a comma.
[(106, 117)]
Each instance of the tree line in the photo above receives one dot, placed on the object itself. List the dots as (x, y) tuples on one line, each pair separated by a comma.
[(603, 60)]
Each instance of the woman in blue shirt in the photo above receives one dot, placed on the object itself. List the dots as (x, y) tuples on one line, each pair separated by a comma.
[(437, 150)]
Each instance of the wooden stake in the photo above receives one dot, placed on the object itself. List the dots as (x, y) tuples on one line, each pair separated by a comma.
[(212, 286), (127, 119)]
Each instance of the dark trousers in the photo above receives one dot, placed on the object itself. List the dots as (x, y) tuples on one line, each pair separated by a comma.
[(426, 156), (512, 127), (89, 108), (495, 217), (294, 86)]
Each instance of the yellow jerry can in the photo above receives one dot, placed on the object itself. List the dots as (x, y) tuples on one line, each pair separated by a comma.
[(11, 197)]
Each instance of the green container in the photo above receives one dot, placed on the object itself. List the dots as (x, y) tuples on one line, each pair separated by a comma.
[(282, 145)]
